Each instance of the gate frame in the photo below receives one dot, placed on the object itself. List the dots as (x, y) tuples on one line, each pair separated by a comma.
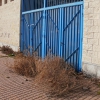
[(43, 30)]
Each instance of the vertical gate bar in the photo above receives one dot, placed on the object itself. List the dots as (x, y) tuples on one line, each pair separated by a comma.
[(46, 34), (65, 34), (53, 34), (81, 39), (78, 38), (22, 28), (38, 33), (22, 34), (67, 11), (57, 18), (56, 32), (49, 31), (31, 39), (71, 35), (36, 28), (43, 33), (60, 16), (69, 29), (74, 11), (54, 28), (25, 29), (62, 33), (34, 31), (26, 33), (78, 34)]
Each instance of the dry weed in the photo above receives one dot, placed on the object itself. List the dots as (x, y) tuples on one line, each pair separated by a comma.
[(25, 66), (59, 76), (52, 72), (7, 50)]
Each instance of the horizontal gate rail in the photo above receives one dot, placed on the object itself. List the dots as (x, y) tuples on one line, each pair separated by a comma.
[(53, 7)]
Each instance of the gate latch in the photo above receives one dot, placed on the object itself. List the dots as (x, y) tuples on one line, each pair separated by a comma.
[(32, 25)]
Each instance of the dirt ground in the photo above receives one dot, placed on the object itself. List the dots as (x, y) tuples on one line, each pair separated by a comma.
[(16, 87)]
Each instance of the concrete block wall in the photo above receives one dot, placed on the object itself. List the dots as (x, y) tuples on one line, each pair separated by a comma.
[(10, 23), (91, 41)]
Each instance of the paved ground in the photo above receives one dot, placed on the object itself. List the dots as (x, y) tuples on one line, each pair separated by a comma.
[(16, 87)]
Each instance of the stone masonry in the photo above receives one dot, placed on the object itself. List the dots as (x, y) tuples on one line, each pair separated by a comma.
[(10, 23), (91, 41)]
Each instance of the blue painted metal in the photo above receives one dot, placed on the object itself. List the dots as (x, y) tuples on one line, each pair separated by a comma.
[(81, 40), (60, 33), (44, 32), (31, 38), (54, 7), (55, 30)]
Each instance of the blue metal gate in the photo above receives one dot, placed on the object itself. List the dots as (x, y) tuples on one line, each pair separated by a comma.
[(56, 29)]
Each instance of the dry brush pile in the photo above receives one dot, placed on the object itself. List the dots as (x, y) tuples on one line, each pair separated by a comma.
[(54, 72)]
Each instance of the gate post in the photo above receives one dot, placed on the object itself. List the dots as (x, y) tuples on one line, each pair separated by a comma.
[(81, 39), (44, 33), (22, 34)]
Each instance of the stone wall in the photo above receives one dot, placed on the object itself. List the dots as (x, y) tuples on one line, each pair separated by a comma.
[(10, 23), (91, 41)]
